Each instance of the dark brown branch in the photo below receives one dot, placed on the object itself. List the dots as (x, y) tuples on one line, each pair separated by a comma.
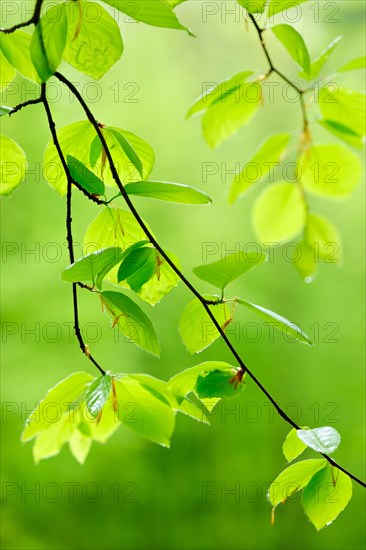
[(69, 237), (195, 292), (25, 104), (33, 20)]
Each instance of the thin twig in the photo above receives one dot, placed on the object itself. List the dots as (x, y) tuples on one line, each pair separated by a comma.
[(189, 285), (69, 237), (33, 20)]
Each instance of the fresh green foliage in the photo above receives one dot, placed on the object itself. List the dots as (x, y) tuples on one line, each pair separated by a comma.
[(223, 272), (330, 170), (265, 158), (323, 440), (279, 213), (138, 267), (131, 320), (94, 41), (343, 106), (197, 329), (354, 65), (165, 191), (15, 48), (281, 323), (49, 41), (342, 132), (318, 64), (326, 496), (253, 6), (277, 6), (13, 165), (84, 177), (321, 233), (93, 267), (293, 446), (294, 44), (97, 394), (4, 110)]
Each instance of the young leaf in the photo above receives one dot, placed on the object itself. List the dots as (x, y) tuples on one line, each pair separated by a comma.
[(266, 157), (219, 92), (218, 384), (323, 440), (330, 170), (58, 400), (93, 267), (7, 72), (4, 110), (323, 235), (326, 496), (354, 65), (49, 41), (224, 117), (84, 177), (320, 61), (277, 6), (279, 213), (157, 13), (343, 106), (131, 321), (50, 442), (281, 323), (171, 192), (345, 133), (138, 267), (97, 394), (15, 48), (253, 6), (13, 165), (80, 445), (306, 265), (127, 149), (294, 44), (293, 479), (293, 446), (223, 272), (197, 329), (94, 41), (150, 417)]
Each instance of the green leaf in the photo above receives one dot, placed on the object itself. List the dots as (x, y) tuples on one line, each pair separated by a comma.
[(320, 61), (281, 323), (293, 446), (93, 267), (58, 401), (13, 165), (185, 382), (330, 170), (4, 110), (277, 6), (326, 496), (219, 92), (138, 267), (127, 149), (94, 41), (217, 384), (279, 213), (305, 265), (253, 6), (150, 417), (77, 140), (49, 41), (225, 116), (323, 235), (84, 177), (16, 49), (114, 226), (293, 479), (171, 192), (267, 156), (49, 443), (152, 12), (7, 72), (343, 106), (197, 329), (97, 394), (342, 132), (323, 440), (224, 271), (294, 44), (80, 445), (131, 321), (354, 65)]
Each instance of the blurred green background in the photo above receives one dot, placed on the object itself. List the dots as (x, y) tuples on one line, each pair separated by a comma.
[(164, 71)]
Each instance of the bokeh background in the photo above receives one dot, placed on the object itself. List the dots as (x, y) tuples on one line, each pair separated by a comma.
[(132, 494)]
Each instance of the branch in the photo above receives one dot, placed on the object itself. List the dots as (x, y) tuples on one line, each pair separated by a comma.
[(187, 283), (272, 69), (69, 237), (33, 20)]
